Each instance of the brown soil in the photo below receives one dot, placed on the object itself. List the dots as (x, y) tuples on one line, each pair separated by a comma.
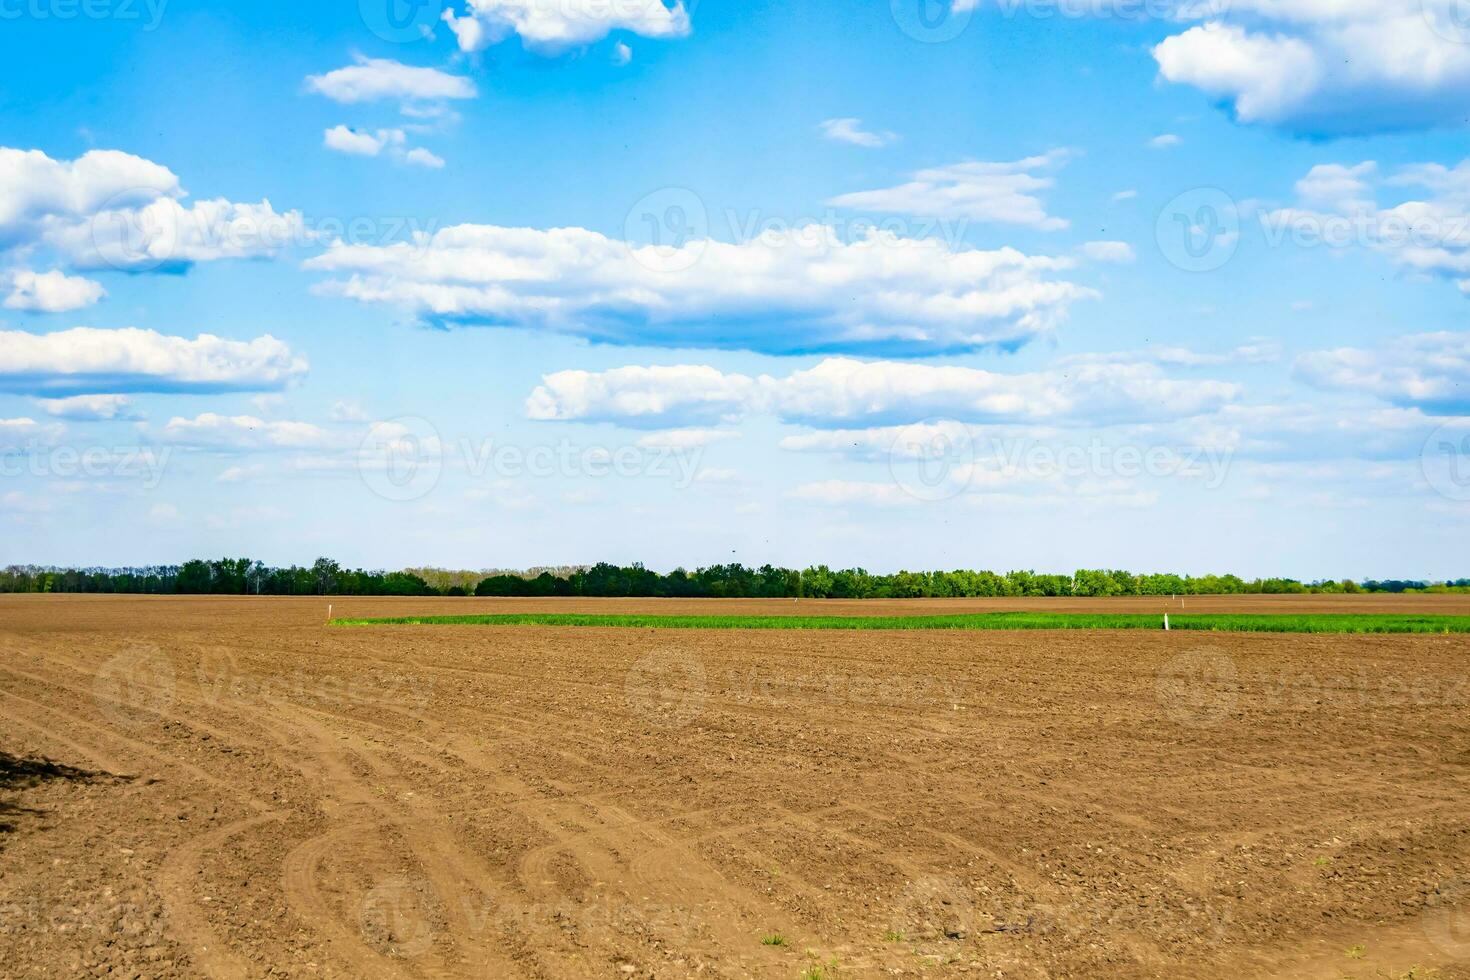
[(216, 787)]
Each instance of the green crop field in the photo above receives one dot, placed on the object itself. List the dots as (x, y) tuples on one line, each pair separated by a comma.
[(1234, 623)]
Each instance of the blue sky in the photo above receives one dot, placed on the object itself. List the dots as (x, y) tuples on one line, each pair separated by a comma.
[(985, 283)]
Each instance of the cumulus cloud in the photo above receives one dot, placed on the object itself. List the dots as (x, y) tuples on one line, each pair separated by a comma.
[(1164, 141), (378, 79), (1327, 68), (799, 292), (51, 292), (840, 392), (35, 188), (86, 360), (850, 130), (423, 158), (88, 408), (1116, 252), (165, 236), (1427, 230), (244, 433), (622, 54), (652, 396), (1000, 193), (550, 26), (24, 432), (111, 209), (1428, 371), (356, 142)]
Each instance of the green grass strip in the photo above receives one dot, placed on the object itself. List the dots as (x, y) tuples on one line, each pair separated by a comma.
[(1231, 623)]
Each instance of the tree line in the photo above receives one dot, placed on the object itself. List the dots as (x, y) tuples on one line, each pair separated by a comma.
[(243, 576)]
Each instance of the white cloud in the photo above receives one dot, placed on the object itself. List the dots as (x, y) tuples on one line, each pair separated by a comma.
[(241, 474), (346, 140), (681, 439), (1430, 371), (244, 432), (802, 291), (1118, 252), (839, 392), (85, 360), (1426, 233), (88, 407), (642, 395), (108, 208), (1128, 195), (423, 158), (1328, 68), (377, 79), (850, 130), (23, 432), (1338, 187), (622, 54), (35, 188), (1254, 352), (360, 143), (348, 411), (549, 26), (166, 236), (1001, 193), (1164, 141), (51, 292)]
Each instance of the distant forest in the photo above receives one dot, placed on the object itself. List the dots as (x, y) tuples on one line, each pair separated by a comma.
[(242, 576)]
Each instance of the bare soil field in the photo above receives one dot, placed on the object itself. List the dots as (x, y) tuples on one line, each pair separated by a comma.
[(227, 788)]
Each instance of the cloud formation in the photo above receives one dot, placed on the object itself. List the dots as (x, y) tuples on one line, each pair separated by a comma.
[(998, 193), (88, 361), (109, 209), (1426, 231), (51, 292), (850, 130), (804, 291), (355, 142), (1326, 68), (551, 26), (379, 79), (841, 392), (1429, 371)]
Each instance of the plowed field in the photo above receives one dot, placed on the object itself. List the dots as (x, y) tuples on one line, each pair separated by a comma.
[(227, 788)]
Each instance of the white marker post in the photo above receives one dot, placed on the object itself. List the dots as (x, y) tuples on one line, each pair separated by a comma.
[(329, 614), (1166, 622)]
